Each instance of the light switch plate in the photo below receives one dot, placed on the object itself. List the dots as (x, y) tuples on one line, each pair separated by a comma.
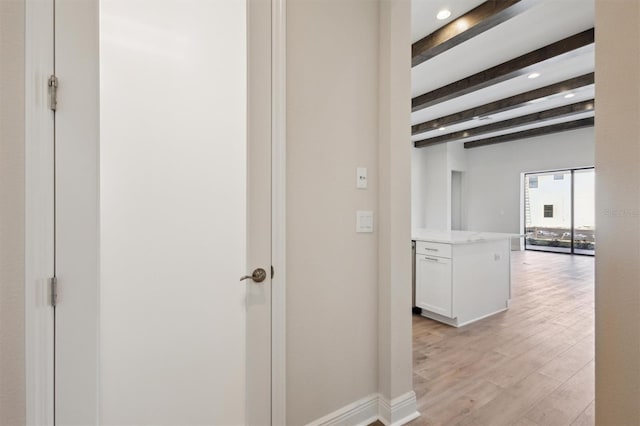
[(361, 178), (364, 221)]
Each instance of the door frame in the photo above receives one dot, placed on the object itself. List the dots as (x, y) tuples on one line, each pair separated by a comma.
[(39, 216), (278, 209)]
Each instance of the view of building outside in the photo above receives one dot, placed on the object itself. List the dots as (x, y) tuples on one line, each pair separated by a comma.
[(548, 211), (584, 219)]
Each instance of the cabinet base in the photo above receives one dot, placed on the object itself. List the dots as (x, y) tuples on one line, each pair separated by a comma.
[(455, 322)]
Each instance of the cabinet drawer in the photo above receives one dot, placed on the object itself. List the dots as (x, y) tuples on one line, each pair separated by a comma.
[(433, 249)]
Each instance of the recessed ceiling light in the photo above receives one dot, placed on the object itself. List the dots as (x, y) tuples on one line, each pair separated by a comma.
[(442, 128), (569, 95), (534, 75), (443, 14)]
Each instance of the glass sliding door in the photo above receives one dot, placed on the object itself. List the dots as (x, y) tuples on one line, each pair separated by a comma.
[(548, 211), (559, 211), (584, 221)]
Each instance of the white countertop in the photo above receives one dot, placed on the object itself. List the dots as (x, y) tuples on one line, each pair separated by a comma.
[(458, 237)]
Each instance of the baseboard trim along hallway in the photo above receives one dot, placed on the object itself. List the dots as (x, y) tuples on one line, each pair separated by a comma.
[(365, 411), (400, 411)]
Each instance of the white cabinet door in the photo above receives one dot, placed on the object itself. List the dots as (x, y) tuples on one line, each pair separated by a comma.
[(433, 284)]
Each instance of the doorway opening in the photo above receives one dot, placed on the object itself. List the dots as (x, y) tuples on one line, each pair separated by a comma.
[(497, 116), (456, 200)]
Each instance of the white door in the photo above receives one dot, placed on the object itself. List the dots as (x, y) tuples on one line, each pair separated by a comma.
[(162, 203)]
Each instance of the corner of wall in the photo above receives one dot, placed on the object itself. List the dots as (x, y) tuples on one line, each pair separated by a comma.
[(617, 155), (394, 205)]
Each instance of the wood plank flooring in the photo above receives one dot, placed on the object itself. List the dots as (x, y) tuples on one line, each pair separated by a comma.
[(532, 365)]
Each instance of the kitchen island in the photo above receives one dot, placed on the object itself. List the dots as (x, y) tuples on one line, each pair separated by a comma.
[(462, 276)]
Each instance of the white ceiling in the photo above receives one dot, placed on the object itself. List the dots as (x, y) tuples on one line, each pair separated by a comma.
[(543, 24)]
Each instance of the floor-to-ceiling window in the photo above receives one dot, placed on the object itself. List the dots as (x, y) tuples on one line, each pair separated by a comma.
[(559, 211)]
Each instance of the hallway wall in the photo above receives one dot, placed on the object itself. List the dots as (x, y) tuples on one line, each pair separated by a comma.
[(12, 379), (618, 212), (332, 107)]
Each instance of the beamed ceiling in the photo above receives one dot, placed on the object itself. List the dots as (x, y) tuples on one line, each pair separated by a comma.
[(470, 75)]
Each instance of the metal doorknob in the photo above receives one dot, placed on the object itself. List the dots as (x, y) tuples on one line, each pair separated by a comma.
[(258, 276)]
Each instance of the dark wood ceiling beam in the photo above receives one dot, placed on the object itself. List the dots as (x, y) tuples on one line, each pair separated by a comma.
[(536, 117), (552, 53), (505, 104), (475, 22), (538, 131)]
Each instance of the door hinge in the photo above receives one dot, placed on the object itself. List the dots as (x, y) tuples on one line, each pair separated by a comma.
[(53, 288), (52, 84)]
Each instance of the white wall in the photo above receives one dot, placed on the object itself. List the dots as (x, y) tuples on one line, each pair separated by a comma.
[(12, 353), (618, 212), (493, 178), (348, 322), (332, 107), (431, 184), (418, 188)]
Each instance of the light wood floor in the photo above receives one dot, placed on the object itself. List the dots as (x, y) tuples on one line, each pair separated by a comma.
[(531, 365)]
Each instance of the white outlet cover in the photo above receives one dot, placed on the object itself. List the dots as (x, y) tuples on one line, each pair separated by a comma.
[(364, 221)]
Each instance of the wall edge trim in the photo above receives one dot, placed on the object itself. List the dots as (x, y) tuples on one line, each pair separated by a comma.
[(367, 410)]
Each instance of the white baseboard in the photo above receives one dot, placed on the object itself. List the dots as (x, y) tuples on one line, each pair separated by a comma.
[(399, 411), (374, 407), (362, 412)]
